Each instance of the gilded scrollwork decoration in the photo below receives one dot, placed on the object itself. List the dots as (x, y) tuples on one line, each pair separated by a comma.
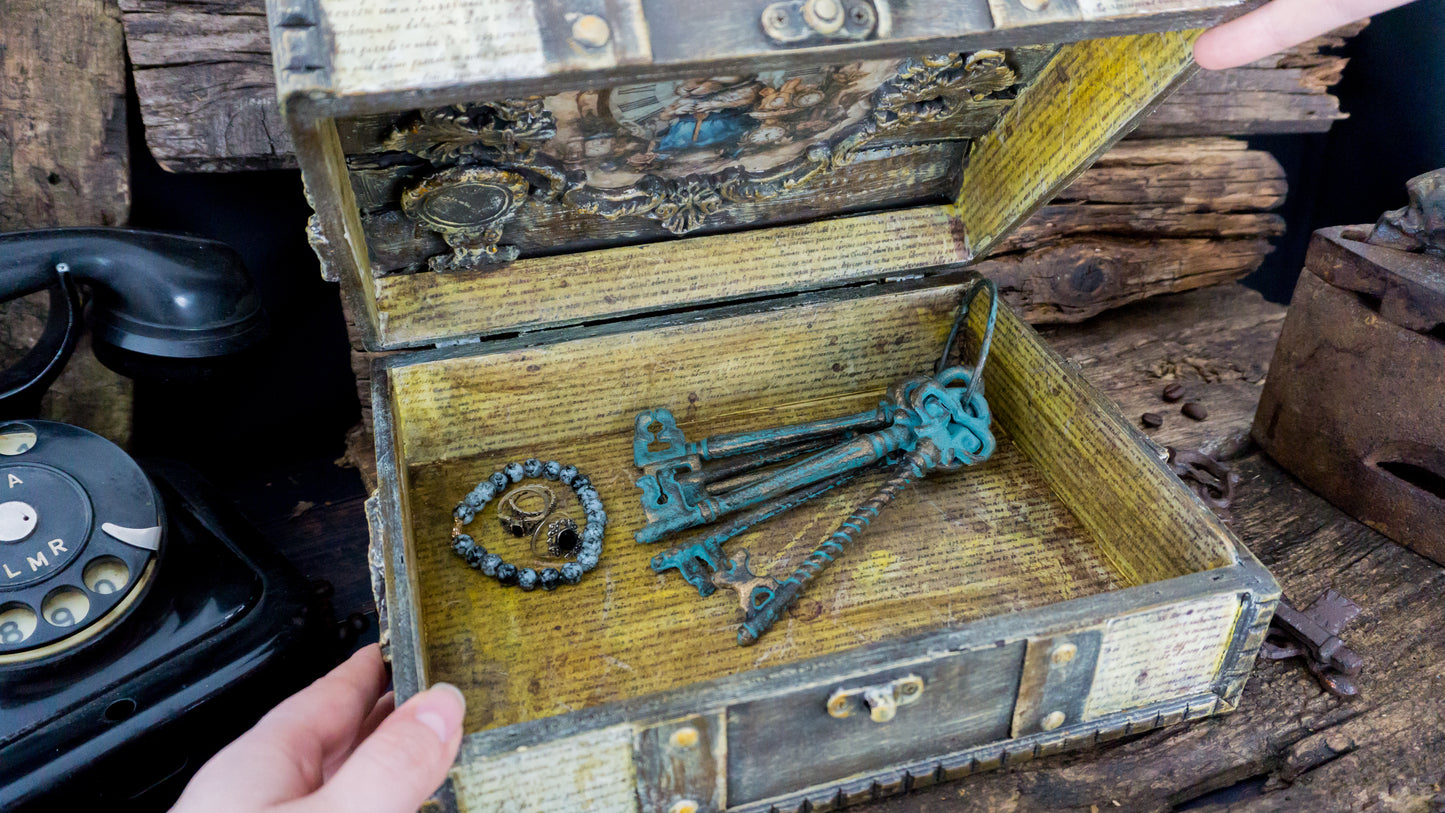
[(679, 153)]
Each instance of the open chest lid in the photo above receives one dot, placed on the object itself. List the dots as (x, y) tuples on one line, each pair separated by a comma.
[(470, 128)]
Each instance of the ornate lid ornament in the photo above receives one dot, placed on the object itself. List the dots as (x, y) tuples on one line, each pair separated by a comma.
[(489, 156)]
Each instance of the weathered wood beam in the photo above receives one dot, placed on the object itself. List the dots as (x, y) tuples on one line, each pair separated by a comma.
[(64, 161), (203, 74)]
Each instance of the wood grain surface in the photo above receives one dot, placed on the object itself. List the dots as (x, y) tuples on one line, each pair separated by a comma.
[(64, 161)]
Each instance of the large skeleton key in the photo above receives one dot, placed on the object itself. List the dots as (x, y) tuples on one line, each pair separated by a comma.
[(659, 443), (697, 561)]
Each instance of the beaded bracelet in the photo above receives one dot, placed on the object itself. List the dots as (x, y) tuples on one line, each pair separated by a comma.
[(526, 578)]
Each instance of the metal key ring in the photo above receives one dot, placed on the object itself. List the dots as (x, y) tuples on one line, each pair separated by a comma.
[(976, 372)]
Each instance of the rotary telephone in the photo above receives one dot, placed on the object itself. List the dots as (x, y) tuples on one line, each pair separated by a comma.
[(142, 624)]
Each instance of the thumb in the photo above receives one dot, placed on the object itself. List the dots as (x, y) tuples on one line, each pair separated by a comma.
[(403, 761)]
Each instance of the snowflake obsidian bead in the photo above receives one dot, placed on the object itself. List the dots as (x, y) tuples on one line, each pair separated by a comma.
[(563, 540), (527, 579)]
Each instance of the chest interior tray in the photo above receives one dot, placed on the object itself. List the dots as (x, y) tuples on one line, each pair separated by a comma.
[(1073, 510)]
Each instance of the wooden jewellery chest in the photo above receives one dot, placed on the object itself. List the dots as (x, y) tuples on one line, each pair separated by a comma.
[(550, 215)]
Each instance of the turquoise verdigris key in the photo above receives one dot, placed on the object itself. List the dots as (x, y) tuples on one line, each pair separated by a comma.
[(922, 424)]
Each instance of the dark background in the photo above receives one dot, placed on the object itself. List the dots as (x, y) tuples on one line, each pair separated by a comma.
[(285, 413)]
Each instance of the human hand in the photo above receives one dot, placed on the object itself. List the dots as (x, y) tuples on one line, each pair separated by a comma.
[(1275, 26), (337, 745)]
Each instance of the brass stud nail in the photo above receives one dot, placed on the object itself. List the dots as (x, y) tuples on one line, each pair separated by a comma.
[(823, 16), (685, 737), (683, 806), (1053, 720), (591, 31), (1063, 653)]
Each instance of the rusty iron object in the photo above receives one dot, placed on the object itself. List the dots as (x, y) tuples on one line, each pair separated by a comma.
[(1419, 226), (1212, 480), (1314, 635), (1354, 405)]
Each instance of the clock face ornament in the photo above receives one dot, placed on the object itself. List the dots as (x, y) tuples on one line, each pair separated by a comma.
[(468, 205)]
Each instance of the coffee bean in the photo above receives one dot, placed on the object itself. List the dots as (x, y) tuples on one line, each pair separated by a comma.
[(1173, 392), (1152, 420), (1195, 410)]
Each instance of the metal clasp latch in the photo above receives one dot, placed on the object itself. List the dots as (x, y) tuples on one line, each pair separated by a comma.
[(789, 22), (882, 700), (1314, 636)]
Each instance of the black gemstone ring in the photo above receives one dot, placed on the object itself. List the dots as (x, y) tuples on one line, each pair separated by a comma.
[(519, 521), (526, 578)]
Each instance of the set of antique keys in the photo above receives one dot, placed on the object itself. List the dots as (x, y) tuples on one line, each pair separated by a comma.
[(922, 424)]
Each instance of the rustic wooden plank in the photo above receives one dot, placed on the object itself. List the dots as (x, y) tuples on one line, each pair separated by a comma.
[(63, 157), (1287, 92), (203, 73), (64, 161), (1076, 278), (1199, 174)]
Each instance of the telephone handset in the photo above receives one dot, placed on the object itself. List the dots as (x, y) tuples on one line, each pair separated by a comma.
[(155, 299)]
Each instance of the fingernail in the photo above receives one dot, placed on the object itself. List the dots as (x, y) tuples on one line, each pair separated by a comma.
[(441, 710)]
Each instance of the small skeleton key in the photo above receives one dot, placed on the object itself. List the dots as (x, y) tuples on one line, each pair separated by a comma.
[(694, 560), (659, 443), (764, 603)]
